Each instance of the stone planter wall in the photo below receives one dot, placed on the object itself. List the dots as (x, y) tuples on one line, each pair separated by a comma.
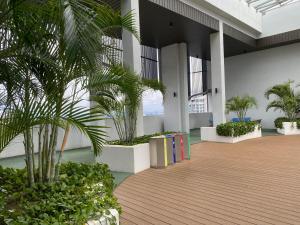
[(210, 134), (105, 219), (289, 128), (130, 159)]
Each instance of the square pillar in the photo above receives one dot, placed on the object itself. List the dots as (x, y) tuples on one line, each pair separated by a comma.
[(218, 76), (174, 72), (132, 52)]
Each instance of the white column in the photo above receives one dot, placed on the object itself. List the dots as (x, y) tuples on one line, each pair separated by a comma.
[(132, 52), (218, 76), (174, 72)]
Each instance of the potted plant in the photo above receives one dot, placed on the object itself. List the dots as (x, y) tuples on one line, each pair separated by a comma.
[(239, 130), (126, 156), (287, 100)]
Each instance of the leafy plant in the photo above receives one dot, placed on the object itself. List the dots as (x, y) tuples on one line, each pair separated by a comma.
[(46, 48), (236, 129), (240, 105), (138, 140), (84, 192), (287, 99)]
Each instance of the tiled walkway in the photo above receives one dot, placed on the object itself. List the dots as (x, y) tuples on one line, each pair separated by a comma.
[(252, 182)]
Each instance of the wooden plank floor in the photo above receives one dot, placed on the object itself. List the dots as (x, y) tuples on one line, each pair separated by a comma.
[(252, 182)]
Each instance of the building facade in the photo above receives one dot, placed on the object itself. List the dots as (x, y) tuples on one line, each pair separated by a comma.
[(248, 46)]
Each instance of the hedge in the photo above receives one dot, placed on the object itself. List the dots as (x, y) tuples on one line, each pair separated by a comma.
[(138, 140), (279, 122), (236, 129), (84, 192)]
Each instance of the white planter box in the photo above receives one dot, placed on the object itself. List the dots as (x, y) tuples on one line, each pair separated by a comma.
[(130, 159), (210, 134), (289, 128), (104, 220)]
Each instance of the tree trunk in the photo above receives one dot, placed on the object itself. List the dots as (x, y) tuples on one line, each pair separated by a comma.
[(28, 143), (40, 152), (52, 153), (32, 149), (28, 157), (45, 152), (63, 145)]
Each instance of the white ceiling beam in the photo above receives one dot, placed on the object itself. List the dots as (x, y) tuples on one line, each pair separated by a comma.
[(267, 5)]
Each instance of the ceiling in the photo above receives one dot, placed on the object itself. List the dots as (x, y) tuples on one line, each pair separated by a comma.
[(161, 27)]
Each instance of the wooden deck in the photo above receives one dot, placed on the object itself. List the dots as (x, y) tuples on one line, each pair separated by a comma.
[(252, 182)]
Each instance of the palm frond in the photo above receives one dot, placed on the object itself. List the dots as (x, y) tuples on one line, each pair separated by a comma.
[(276, 105), (280, 90), (154, 85), (15, 122), (287, 100)]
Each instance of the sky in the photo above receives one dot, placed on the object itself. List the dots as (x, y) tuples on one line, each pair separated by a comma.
[(153, 103)]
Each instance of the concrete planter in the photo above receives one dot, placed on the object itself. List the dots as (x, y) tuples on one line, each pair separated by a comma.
[(130, 159), (210, 134), (104, 220), (289, 128)]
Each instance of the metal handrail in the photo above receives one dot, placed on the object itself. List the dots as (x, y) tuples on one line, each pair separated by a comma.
[(200, 94)]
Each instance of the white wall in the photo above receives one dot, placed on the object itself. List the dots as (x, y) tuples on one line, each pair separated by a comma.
[(236, 13), (253, 73), (280, 20), (75, 140), (218, 76), (198, 120), (132, 52), (153, 124), (174, 69)]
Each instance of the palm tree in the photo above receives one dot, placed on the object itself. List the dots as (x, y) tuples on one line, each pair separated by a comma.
[(287, 99), (123, 108), (45, 46), (240, 105)]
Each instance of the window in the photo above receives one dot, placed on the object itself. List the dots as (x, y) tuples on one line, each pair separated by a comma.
[(198, 103)]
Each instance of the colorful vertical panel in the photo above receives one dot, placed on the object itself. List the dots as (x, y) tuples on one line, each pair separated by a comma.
[(174, 149), (165, 152), (189, 146), (181, 147)]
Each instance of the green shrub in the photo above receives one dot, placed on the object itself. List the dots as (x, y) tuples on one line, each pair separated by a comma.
[(235, 129), (83, 192), (138, 140), (279, 122)]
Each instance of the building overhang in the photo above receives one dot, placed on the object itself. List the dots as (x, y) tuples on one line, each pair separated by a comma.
[(165, 22), (194, 27)]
